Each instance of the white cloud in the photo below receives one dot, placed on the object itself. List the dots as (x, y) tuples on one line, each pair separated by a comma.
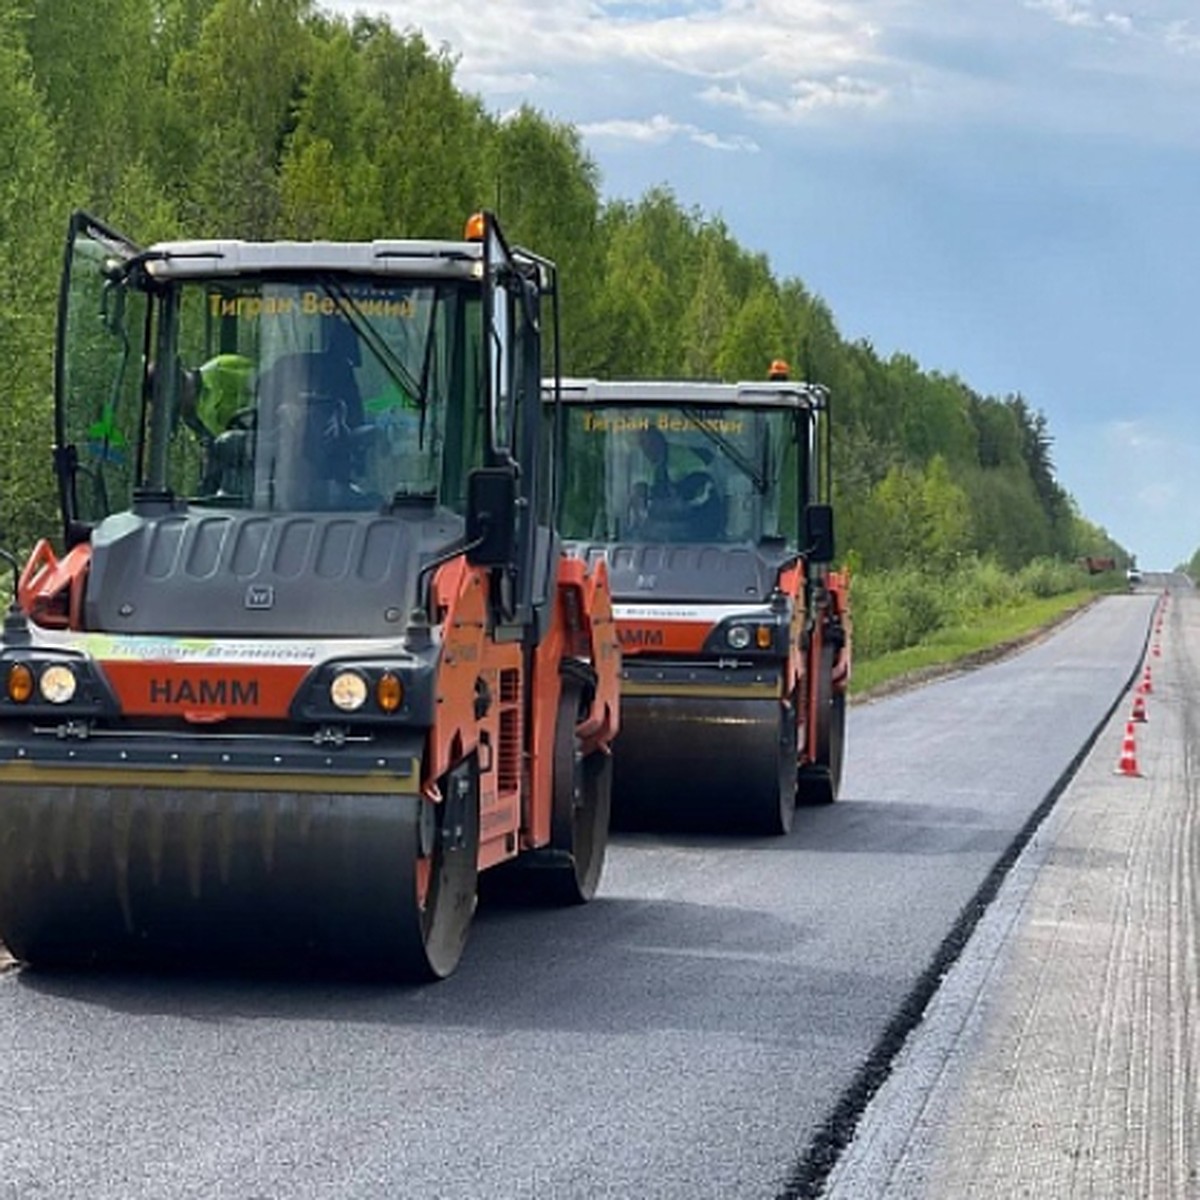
[(660, 129), (1183, 37), (1083, 14), (513, 83), (716, 142), (1154, 28), (805, 98), (772, 46), (601, 63), (1078, 13), (651, 131)]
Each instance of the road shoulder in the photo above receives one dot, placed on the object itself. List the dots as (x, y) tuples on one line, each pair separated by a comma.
[(1061, 1056)]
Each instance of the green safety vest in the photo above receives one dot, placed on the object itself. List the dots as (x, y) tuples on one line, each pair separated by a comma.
[(225, 388)]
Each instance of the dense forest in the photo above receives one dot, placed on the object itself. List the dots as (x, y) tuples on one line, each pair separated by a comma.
[(272, 118)]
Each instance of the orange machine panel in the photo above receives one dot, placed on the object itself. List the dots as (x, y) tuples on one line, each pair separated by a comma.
[(205, 693)]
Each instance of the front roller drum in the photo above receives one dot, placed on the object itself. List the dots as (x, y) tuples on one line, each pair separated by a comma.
[(700, 763), (377, 884)]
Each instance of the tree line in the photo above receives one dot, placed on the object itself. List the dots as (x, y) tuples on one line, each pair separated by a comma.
[(273, 118)]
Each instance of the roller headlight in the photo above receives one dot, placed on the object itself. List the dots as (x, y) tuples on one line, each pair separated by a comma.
[(348, 691), (58, 684), (738, 637)]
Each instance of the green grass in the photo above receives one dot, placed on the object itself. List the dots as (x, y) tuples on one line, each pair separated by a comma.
[(990, 631)]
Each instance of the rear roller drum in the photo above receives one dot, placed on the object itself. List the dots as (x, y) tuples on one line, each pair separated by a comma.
[(821, 778), (568, 871), (771, 811), (445, 871)]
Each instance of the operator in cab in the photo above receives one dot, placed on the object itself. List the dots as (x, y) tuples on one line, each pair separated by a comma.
[(677, 500)]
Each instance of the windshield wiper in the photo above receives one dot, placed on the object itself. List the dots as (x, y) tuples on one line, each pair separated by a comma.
[(378, 344), (742, 461)]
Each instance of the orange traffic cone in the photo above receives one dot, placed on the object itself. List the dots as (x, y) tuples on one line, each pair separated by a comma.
[(1127, 764), (1146, 687), (1139, 709), (1156, 650)]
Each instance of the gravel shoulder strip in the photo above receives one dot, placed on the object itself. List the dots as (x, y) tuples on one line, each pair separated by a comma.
[(1061, 1057)]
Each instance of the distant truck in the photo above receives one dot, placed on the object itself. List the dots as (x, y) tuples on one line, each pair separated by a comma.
[(710, 503)]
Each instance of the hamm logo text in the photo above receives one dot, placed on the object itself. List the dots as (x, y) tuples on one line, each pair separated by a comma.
[(231, 693)]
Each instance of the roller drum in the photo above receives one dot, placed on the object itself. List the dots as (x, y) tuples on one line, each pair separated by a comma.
[(116, 874), (704, 763)]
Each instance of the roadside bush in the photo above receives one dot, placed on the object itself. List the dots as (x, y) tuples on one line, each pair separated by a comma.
[(983, 584), (1049, 577), (903, 607), (894, 609)]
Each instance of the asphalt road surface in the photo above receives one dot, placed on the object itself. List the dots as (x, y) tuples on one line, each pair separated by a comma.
[(709, 1027)]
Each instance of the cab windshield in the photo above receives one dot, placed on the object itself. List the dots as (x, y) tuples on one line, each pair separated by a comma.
[(682, 473), (322, 394)]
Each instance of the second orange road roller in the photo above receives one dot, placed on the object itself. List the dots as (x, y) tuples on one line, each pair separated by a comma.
[(711, 505)]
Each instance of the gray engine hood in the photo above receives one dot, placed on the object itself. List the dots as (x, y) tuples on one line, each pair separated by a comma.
[(694, 572), (192, 571)]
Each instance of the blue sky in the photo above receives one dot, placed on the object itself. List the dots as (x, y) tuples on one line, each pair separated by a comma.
[(1006, 190)]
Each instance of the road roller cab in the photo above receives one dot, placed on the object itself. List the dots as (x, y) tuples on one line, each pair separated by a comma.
[(710, 503), (309, 655)]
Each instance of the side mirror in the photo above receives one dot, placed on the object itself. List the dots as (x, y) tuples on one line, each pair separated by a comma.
[(491, 516), (818, 529)]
